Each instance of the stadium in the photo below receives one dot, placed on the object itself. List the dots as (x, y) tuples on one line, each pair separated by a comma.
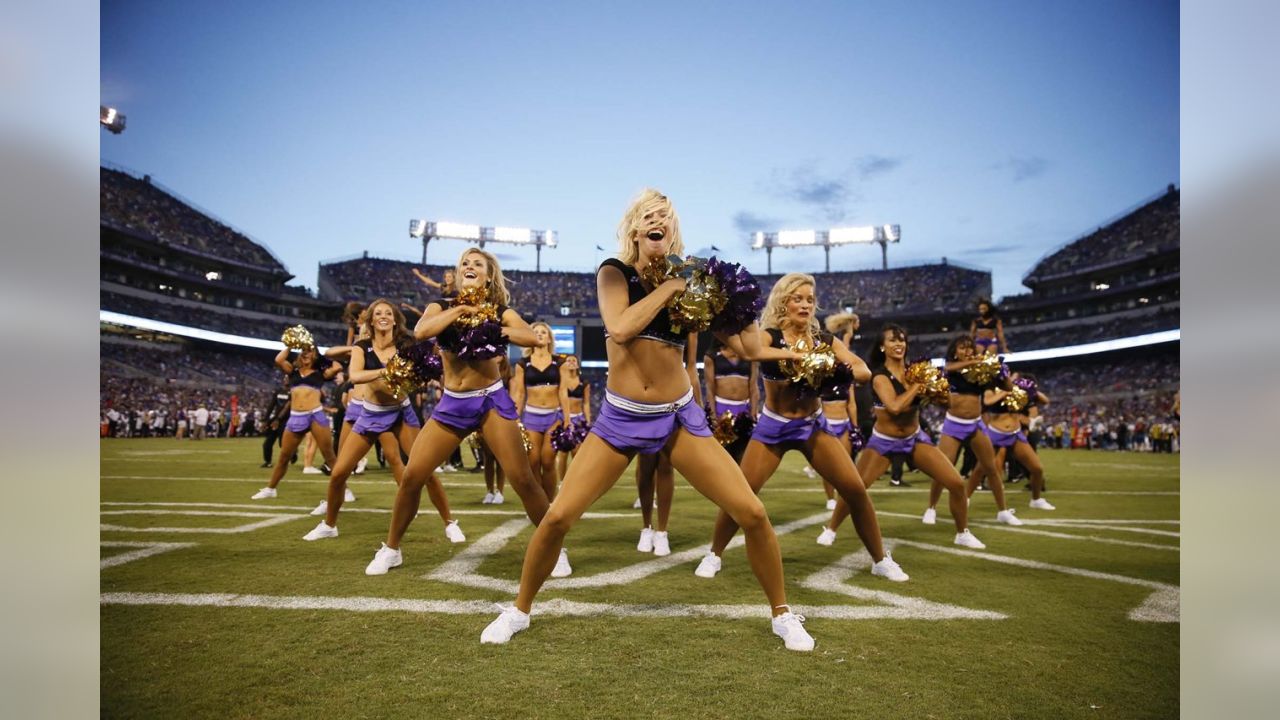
[(211, 604)]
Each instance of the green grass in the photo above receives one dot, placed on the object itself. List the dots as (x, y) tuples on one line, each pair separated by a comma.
[(1066, 649)]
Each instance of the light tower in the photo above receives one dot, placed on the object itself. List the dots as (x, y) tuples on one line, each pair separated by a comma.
[(429, 230), (881, 235)]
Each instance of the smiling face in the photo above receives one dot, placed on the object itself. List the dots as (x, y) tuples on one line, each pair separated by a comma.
[(382, 317), (984, 309), (894, 344), (965, 349), (650, 228), (571, 363), (473, 270)]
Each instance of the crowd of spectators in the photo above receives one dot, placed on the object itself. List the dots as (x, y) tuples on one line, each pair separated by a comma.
[(1150, 228), (217, 319), (909, 290), (136, 204)]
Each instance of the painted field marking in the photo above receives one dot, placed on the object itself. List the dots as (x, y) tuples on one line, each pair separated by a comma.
[(143, 550), (1160, 606), (386, 480), (834, 579), (461, 568), (550, 608), (266, 522), (1048, 533), (131, 454), (346, 507)]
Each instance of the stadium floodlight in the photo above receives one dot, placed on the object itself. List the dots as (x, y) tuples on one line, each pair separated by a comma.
[(111, 119), (428, 231), (878, 234)]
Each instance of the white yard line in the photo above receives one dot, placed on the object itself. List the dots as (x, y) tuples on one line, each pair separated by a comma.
[(143, 550)]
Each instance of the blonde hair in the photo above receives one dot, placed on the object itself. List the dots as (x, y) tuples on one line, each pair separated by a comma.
[(526, 352), (497, 283), (634, 225), (775, 309)]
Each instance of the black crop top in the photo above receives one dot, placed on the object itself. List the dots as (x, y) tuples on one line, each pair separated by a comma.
[(769, 369), (835, 391), (986, 323), (580, 391), (728, 368), (533, 377), (659, 328), (960, 385), (898, 387), (371, 359), (314, 379)]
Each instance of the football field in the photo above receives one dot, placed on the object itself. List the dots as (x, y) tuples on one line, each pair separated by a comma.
[(213, 606)]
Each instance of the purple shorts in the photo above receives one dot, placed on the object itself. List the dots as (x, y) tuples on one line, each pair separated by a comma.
[(377, 419), (408, 415), (300, 422), (774, 429), (888, 445), (838, 428), (737, 407), (466, 411), (986, 345), (631, 426), (960, 428), (540, 419), (355, 409), (1003, 439)]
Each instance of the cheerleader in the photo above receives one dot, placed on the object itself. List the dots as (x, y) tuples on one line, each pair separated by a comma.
[(897, 433), (577, 397), (964, 425), (792, 419), (649, 407), (386, 417), (733, 386), (305, 377), (987, 330), (473, 398), (1004, 428), (536, 391)]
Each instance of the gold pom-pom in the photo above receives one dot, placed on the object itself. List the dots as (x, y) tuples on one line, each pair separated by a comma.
[(933, 384), (1017, 399), (297, 338), (722, 429), (692, 309), (524, 437), (816, 363), (982, 373), (662, 269), (477, 297), (399, 377)]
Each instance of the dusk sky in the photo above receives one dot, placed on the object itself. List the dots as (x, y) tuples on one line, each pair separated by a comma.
[(991, 132)]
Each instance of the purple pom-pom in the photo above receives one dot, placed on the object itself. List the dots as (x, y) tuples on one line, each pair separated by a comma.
[(743, 424), (856, 441), (742, 292), (568, 437), (1030, 386), (481, 342), (427, 363)]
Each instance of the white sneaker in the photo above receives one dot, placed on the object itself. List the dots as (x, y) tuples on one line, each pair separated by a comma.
[(827, 537), (308, 470), (321, 509), (661, 544), (321, 531), (810, 473), (709, 566), (383, 560), (453, 532), (930, 517), (646, 540), (361, 465), (348, 496), (510, 622), (562, 569), (498, 499), (636, 505), (1006, 517), (488, 499), (790, 627), (1041, 504), (889, 570), (264, 494), (967, 539), (831, 503)]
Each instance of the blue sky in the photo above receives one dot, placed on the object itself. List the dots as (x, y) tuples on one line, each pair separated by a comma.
[(991, 132)]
